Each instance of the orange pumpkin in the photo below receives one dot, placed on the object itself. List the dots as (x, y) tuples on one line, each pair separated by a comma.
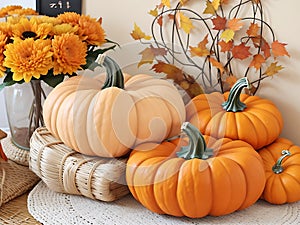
[(194, 178), (282, 165), (236, 115), (108, 114)]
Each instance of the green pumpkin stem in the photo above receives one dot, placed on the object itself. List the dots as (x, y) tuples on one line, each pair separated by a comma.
[(114, 75), (233, 102), (278, 168), (196, 147)]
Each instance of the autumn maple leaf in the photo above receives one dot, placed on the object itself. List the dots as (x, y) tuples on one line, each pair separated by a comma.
[(211, 7), (219, 23), (166, 3), (184, 22), (149, 54), (241, 51), (278, 49), (253, 30), (273, 69), (138, 34), (170, 70), (227, 35), (201, 49), (257, 61), (217, 64), (235, 24), (226, 46)]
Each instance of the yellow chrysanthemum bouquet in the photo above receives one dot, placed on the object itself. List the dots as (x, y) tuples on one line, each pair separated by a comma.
[(36, 48), (47, 48)]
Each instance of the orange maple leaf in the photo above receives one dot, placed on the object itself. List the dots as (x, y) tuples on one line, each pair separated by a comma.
[(170, 70), (219, 23), (217, 64), (278, 49), (138, 34), (241, 51), (257, 61), (253, 30), (272, 69), (201, 49), (235, 24), (260, 42), (226, 46), (160, 20), (149, 54)]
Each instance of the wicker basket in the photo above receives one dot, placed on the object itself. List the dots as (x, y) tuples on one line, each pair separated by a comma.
[(64, 170)]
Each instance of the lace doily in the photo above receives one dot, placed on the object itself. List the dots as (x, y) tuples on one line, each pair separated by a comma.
[(54, 208)]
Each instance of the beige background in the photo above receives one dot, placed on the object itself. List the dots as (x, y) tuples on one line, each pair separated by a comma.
[(283, 15)]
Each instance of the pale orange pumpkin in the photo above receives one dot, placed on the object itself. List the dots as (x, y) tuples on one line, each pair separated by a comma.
[(108, 114)]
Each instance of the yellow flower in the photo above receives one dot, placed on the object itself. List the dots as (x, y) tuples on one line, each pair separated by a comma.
[(64, 28), (4, 11), (89, 29), (22, 11), (30, 28), (69, 53), (3, 39), (5, 28), (69, 17), (28, 58)]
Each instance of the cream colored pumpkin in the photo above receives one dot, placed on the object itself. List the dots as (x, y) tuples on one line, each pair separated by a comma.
[(127, 111)]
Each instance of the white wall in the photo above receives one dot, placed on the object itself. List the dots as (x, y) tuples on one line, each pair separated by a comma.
[(283, 16)]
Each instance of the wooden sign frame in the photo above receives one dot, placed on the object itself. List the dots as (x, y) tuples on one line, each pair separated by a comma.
[(55, 7)]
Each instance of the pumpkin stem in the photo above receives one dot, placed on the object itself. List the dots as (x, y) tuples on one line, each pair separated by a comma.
[(278, 168), (196, 147), (233, 102), (114, 75)]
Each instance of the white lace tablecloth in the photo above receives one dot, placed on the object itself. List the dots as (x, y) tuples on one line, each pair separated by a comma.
[(53, 208)]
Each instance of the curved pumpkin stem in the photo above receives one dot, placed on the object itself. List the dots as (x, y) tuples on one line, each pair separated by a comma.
[(233, 102), (196, 147), (278, 168), (114, 75)]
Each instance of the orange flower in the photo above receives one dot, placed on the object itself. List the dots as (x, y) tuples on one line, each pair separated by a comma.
[(22, 11), (3, 39), (89, 29), (69, 53), (28, 58), (4, 11)]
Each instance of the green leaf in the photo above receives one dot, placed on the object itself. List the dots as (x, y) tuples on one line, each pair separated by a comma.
[(52, 80), (8, 81)]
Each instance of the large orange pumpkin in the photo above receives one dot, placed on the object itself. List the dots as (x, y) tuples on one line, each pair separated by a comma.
[(282, 165), (204, 177), (108, 114), (236, 115)]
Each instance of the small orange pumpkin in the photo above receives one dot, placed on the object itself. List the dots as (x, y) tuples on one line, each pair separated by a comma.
[(195, 179), (282, 166), (108, 114), (236, 116)]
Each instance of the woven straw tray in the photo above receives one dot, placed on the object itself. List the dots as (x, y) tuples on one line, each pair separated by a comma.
[(66, 171)]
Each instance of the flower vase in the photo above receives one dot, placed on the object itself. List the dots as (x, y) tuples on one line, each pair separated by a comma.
[(24, 110)]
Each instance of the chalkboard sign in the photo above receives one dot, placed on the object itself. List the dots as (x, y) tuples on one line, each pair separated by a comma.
[(55, 7)]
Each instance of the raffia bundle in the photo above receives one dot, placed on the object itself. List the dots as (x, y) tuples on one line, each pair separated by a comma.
[(66, 171)]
